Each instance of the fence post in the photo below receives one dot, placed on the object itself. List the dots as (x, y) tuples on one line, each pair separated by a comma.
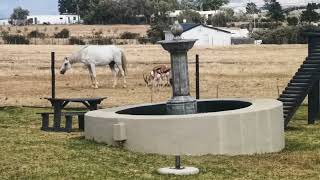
[(53, 76), (197, 78)]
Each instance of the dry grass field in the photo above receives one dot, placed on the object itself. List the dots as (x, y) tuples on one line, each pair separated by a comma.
[(235, 71), (79, 30)]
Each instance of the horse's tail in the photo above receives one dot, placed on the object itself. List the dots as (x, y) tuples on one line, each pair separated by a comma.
[(124, 63)]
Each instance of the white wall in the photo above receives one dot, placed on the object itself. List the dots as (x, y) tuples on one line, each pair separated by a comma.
[(54, 19), (208, 37), (4, 22)]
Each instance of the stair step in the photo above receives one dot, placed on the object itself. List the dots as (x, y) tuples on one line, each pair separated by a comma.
[(310, 65), (295, 88), (299, 84), (293, 92), (285, 112), (288, 107), (308, 69), (313, 53), (293, 104), (313, 58), (290, 95), (301, 81), (300, 76), (285, 99), (302, 72), (312, 61)]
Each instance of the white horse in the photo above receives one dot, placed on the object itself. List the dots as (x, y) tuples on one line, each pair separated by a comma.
[(92, 56)]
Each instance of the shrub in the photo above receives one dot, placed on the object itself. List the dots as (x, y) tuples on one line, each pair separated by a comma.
[(143, 40), (75, 40), (101, 41), (129, 35), (36, 34), (15, 39), (284, 35), (64, 33), (190, 16), (292, 21)]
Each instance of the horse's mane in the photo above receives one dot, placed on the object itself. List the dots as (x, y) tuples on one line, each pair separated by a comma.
[(73, 57)]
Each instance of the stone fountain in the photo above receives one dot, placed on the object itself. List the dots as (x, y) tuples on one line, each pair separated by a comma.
[(184, 126)]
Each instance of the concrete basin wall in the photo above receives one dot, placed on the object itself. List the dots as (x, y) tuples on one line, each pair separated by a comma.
[(258, 128)]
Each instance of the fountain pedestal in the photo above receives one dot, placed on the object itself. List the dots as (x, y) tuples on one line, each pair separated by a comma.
[(181, 101)]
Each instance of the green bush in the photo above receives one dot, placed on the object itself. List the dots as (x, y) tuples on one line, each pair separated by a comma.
[(284, 35), (129, 35), (36, 34), (101, 41), (292, 21), (190, 16), (15, 39), (64, 33), (75, 40), (143, 40)]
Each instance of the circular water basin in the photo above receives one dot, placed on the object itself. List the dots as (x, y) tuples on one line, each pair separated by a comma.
[(224, 126)]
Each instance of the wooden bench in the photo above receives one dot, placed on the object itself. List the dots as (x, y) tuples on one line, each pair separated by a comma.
[(68, 123)]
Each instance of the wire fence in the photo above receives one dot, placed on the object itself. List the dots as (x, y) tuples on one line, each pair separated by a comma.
[(73, 40)]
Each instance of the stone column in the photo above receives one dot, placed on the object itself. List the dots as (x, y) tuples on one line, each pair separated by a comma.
[(181, 101)]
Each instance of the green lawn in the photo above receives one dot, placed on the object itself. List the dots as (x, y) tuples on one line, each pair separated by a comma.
[(28, 153)]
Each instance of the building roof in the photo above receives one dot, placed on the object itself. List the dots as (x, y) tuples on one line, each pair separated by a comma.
[(189, 26)]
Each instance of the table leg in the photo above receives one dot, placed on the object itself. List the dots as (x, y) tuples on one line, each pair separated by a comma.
[(93, 105), (57, 115)]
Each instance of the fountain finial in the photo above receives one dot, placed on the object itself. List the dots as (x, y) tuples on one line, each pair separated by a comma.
[(176, 30)]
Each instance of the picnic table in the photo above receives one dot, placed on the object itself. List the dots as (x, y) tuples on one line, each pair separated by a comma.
[(60, 103)]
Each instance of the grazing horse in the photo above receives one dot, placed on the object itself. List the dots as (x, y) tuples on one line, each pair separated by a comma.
[(92, 56)]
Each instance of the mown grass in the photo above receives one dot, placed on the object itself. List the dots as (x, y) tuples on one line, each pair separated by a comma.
[(28, 153)]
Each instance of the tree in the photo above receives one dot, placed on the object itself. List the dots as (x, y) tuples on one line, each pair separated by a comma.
[(275, 11), (213, 4), (67, 6), (19, 14), (310, 15), (161, 20), (252, 8), (220, 19), (190, 16), (189, 4), (292, 21)]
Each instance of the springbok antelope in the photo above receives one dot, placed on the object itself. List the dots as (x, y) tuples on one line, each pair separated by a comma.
[(159, 76), (92, 56)]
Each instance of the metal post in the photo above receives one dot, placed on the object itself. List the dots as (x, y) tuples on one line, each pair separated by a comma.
[(313, 103), (178, 163), (314, 92), (53, 76), (197, 78)]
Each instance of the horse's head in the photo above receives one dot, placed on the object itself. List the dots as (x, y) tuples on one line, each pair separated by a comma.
[(65, 66)]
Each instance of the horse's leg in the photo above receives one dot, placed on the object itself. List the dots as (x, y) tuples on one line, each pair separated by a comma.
[(91, 75), (121, 71), (94, 75), (114, 73)]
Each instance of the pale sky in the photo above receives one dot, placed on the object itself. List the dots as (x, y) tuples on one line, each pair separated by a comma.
[(37, 7)]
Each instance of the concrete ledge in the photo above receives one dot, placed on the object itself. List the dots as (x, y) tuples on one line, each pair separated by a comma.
[(258, 128)]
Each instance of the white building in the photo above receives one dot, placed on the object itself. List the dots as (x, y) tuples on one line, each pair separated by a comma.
[(205, 14), (237, 32), (54, 19), (4, 22), (206, 35)]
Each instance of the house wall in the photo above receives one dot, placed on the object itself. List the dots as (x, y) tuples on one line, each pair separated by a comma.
[(54, 19), (4, 22), (208, 37)]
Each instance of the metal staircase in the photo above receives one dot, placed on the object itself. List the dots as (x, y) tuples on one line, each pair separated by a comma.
[(304, 82)]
